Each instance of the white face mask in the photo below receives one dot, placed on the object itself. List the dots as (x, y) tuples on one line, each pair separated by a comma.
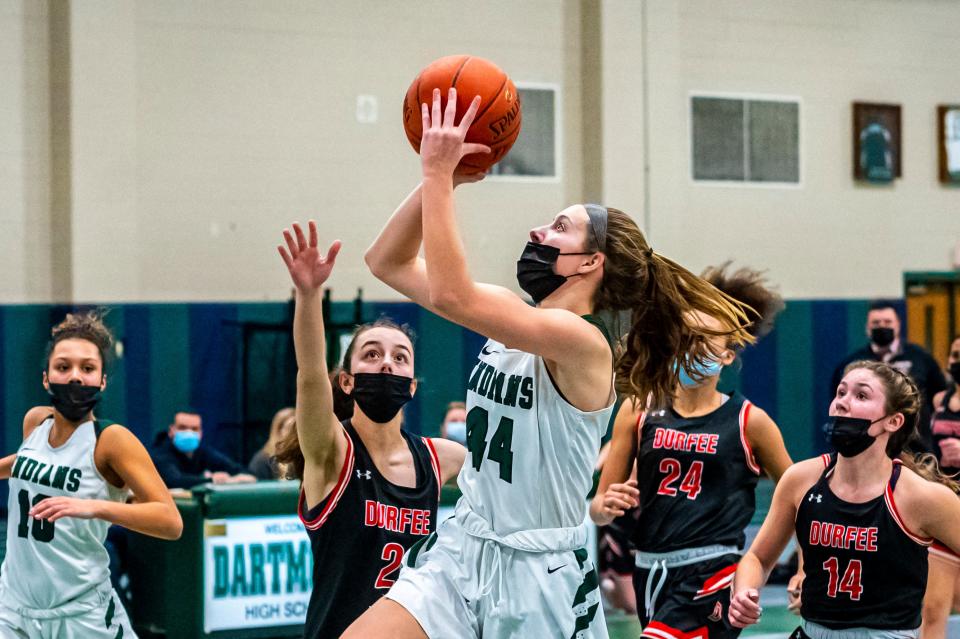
[(457, 431)]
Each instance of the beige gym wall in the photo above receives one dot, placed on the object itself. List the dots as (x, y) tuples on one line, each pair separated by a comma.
[(830, 237), (152, 151)]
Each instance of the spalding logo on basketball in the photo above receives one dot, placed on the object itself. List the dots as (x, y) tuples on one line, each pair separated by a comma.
[(498, 120)]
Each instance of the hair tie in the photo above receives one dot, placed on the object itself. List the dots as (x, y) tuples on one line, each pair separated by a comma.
[(649, 253), (598, 224)]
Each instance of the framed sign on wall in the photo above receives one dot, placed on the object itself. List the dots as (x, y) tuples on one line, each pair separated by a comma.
[(876, 142)]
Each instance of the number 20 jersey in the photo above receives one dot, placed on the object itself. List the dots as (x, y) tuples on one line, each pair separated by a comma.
[(531, 454), (360, 531), (697, 477), (47, 563)]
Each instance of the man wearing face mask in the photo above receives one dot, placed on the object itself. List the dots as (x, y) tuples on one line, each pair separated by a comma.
[(886, 345), (184, 463)]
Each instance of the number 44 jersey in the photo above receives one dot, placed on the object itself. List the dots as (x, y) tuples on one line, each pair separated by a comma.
[(51, 563), (531, 454)]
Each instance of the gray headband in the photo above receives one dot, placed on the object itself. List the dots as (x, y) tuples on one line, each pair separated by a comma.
[(598, 223)]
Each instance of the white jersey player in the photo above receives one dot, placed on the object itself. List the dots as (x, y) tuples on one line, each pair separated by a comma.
[(68, 482), (511, 562)]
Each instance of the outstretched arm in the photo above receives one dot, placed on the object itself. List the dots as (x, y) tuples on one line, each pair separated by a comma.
[(615, 494), (493, 311), (321, 437)]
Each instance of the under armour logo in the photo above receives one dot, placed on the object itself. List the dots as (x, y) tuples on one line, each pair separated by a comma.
[(363, 474), (818, 497)]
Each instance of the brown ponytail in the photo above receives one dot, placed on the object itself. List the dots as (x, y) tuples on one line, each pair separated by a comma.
[(903, 396), (662, 296), (926, 465)]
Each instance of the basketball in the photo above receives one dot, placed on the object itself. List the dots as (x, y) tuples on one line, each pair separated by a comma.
[(497, 124)]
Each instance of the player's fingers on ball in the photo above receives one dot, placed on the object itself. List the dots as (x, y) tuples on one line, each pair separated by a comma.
[(436, 121), (424, 116), (450, 113), (475, 148), (470, 114)]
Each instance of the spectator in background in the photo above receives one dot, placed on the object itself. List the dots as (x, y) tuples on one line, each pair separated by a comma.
[(886, 345), (184, 462), (262, 465), (454, 425)]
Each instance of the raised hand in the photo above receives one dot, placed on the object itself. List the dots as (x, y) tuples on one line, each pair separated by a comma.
[(442, 145), (308, 268)]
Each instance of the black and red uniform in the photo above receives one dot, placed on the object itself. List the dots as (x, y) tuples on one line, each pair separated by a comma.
[(864, 568), (697, 478), (361, 530)]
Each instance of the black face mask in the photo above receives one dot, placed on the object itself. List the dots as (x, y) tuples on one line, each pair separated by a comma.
[(955, 372), (74, 401), (381, 395), (882, 336), (848, 435), (535, 272)]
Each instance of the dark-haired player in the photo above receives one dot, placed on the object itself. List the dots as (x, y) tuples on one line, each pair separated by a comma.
[(370, 490), (69, 481), (698, 459)]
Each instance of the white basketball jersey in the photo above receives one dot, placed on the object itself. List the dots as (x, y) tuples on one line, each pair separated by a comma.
[(531, 454), (50, 563)]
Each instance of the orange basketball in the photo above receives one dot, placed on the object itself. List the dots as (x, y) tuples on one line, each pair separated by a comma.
[(498, 120)]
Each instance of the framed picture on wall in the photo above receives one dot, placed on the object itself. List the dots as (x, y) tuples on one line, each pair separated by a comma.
[(948, 124), (876, 142)]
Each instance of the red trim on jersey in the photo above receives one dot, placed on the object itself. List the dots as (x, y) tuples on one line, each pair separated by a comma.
[(748, 452), (940, 551), (334, 495), (659, 630), (640, 420), (892, 507), (825, 458), (435, 462), (720, 580)]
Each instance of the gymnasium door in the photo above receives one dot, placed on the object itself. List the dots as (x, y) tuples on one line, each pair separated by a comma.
[(933, 304)]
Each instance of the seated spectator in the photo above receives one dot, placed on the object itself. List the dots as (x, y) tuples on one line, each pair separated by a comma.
[(263, 465), (454, 425), (184, 462)]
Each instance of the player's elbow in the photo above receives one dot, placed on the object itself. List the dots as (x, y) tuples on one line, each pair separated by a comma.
[(374, 262), (171, 528)]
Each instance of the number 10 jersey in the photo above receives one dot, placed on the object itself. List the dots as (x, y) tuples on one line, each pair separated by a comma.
[(49, 564), (531, 454)]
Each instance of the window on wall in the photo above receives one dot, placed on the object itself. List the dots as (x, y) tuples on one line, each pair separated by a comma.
[(746, 140), (534, 155)]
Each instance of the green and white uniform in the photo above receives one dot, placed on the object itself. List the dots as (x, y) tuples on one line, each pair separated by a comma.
[(511, 562), (55, 579)]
